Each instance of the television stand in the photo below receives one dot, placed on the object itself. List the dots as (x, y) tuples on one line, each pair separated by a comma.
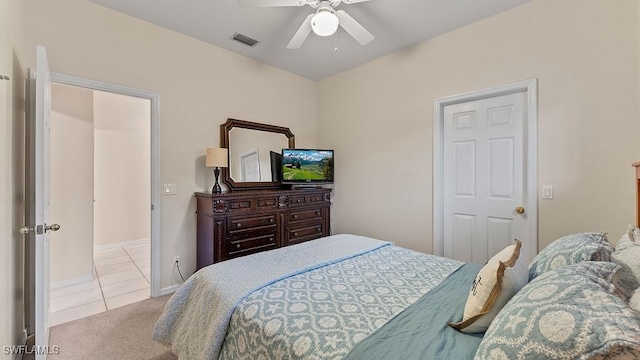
[(238, 223)]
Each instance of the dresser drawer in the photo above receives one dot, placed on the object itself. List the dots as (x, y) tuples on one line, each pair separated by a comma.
[(267, 203), (239, 223), (302, 215), (316, 199), (238, 206), (308, 232), (251, 245), (298, 200)]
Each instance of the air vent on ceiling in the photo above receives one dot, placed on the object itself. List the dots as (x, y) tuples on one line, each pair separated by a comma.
[(244, 39)]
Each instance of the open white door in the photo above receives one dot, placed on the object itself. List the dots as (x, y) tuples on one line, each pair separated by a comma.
[(38, 203)]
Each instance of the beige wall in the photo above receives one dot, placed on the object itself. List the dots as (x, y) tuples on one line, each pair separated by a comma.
[(379, 118), (71, 247), (200, 87), (12, 117), (122, 168), (105, 134)]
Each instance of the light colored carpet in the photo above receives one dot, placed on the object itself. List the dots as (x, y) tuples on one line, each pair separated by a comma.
[(121, 333)]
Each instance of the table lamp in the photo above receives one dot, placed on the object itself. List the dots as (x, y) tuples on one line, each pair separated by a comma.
[(217, 158)]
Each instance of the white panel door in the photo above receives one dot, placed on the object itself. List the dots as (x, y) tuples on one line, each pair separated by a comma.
[(250, 165), (484, 172), (40, 97)]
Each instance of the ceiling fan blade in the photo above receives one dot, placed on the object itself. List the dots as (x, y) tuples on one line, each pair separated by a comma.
[(301, 34), (354, 28), (348, 2), (269, 3)]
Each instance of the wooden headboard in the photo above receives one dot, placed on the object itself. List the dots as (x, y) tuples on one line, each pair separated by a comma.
[(637, 166)]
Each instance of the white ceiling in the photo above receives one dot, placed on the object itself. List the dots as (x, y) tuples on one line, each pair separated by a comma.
[(396, 24)]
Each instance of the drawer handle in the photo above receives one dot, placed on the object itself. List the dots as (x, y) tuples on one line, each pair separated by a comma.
[(238, 246), (318, 213), (295, 216), (271, 239), (270, 220), (239, 224), (318, 228), (295, 234), (298, 200)]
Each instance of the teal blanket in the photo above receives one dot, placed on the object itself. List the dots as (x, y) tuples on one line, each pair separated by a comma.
[(421, 332)]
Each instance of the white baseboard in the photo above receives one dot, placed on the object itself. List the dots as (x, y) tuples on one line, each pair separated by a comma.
[(70, 282), (169, 290), (121, 244)]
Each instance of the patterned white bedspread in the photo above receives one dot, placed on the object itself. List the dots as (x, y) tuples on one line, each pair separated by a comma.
[(324, 313), (196, 317)]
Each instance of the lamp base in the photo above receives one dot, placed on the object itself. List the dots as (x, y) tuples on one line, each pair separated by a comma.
[(216, 187)]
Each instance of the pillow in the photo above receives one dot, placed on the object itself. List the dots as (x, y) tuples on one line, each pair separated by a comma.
[(571, 249), (634, 234), (634, 302), (631, 238), (568, 313), (498, 280), (629, 260)]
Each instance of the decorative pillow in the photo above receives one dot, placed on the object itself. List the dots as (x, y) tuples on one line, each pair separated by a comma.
[(571, 249), (634, 234), (634, 302), (498, 280), (629, 260), (631, 238), (568, 313)]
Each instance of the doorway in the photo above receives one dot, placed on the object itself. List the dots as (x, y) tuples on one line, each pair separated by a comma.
[(485, 189), (117, 235)]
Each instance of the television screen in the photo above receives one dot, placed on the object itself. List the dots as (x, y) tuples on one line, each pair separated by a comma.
[(307, 166)]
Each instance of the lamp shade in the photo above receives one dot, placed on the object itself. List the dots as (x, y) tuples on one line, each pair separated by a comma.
[(324, 23), (217, 157)]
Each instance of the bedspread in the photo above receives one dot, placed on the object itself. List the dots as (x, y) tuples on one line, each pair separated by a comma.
[(196, 317), (324, 313)]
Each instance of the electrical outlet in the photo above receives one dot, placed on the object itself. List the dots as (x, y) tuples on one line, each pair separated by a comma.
[(176, 259)]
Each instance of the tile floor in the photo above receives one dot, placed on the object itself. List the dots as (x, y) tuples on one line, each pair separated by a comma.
[(121, 277)]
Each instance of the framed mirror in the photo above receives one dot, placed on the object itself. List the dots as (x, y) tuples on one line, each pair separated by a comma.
[(254, 152)]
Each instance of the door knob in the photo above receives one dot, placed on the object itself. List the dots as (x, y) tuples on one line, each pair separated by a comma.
[(52, 227), (25, 230), (520, 210), (39, 229)]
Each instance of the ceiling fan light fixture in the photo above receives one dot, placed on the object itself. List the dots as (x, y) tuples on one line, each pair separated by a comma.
[(324, 23)]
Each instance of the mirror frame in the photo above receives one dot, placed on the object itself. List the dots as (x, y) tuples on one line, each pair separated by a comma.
[(224, 142)]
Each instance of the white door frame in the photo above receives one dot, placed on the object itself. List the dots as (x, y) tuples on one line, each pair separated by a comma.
[(531, 162), (155, 157)]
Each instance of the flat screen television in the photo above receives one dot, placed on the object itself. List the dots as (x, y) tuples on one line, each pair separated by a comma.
[(307, 166), (276, 166)]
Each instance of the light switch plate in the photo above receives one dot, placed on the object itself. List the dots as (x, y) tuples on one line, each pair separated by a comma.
[(169, 189), (547, 192)]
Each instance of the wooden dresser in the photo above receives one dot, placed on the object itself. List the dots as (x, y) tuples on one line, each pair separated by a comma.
[(239, 223)]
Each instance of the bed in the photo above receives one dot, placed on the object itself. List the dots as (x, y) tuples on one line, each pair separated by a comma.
[(352, 297)]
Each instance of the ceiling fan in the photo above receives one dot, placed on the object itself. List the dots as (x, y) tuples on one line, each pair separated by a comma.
[(323, 22)]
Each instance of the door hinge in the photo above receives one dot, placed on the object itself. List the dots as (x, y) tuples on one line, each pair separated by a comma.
[(152, 207)]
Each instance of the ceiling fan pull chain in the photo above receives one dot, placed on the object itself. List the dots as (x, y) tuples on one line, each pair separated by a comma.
[(336, 48)]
